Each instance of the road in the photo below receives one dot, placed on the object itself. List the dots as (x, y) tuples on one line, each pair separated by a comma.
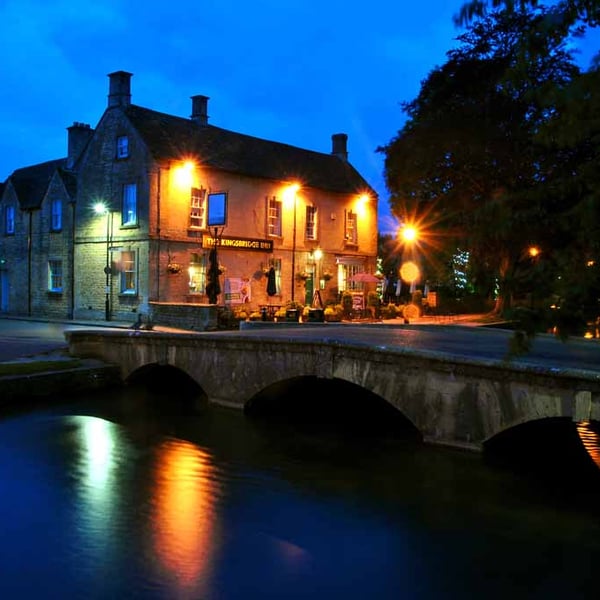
[(20, 338)]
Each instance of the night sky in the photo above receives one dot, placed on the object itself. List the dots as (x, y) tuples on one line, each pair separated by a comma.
[(289, 71)]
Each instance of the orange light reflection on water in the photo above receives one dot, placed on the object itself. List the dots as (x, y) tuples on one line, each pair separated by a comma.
[(184, 513), (590, 440)]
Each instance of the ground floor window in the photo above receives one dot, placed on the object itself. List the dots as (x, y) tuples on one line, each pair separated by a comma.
[(197, 273), (128, 272), (55, 276)]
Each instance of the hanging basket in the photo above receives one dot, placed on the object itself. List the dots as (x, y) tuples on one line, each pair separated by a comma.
[(174, 268)]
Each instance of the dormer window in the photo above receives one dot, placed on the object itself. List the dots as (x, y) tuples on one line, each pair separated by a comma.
[(122, 146)]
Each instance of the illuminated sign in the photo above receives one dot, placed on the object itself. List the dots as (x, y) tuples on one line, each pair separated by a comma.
[(237, 243)]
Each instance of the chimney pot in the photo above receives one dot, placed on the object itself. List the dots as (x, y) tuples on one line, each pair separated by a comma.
[(200, 109), (119, 93), (338, 145)]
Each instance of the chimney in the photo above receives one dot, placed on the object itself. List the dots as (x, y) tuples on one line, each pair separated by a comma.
[(200, 109), (338, 145), (78, 137), (119, 93)]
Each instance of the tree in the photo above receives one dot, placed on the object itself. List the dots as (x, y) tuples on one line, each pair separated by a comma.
[(468, 162)]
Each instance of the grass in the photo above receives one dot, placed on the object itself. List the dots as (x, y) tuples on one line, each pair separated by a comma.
[(37, 366)]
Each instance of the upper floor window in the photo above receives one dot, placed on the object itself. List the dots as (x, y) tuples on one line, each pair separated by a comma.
[(129, 205), (56, 215), (350, 229), (9, 220), (273, 216), (122, 146), (311, 223), (198, 208), (128, 272), (55, 276)]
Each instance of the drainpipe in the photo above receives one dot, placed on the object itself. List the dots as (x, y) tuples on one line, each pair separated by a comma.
[(71, 307), (158, 237), (29, 255)]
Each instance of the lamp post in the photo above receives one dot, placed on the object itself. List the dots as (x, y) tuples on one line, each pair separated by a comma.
[(101, 209)]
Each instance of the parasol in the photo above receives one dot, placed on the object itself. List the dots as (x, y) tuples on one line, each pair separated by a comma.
[(271, 282), (213, 288), (364, 278)]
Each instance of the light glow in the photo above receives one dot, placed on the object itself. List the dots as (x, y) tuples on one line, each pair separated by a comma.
[(100, 208), (183, 175)]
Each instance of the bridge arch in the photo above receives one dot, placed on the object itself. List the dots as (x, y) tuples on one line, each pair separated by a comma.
[(331, 402)]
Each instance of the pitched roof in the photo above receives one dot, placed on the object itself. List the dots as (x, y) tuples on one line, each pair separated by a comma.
[(169, 137), (31, 183)]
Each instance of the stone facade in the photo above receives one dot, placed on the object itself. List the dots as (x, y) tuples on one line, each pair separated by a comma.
[(152, 241)]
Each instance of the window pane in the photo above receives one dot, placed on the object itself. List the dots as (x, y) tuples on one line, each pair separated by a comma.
[(122, 146), (56, 217), (311, 222), (9, 219), (274, 216), (129, 215), (198, 208), (128, 273), (197, 273), (55, 275)]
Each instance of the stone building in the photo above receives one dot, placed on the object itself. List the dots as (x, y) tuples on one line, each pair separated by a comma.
[(127, 222)]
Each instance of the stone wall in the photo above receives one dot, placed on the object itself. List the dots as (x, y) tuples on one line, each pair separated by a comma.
[(197, 317)]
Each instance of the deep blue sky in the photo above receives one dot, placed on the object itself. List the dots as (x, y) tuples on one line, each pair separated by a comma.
[(291, 71)]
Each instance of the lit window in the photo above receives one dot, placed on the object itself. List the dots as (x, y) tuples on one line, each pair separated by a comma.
[(55, 276), (198, 208), (129, 210), (197, 273), (9, 220), (128, 272), (274, 216), (311, 222), (56, 215), (350, 233), (122, 146)]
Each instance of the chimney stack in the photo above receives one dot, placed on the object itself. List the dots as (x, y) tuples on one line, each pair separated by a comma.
[(338, 145), (78, 138), (119, 93), (200, 109)]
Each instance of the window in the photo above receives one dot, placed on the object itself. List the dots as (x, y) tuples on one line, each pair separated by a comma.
[(274, 216), (197, 273), (9, 220), (311, 223), (122, 146), (55, 276), (128, 273), (198, 208), (56, 215), (276, 264), (350, 233), (129, 208)]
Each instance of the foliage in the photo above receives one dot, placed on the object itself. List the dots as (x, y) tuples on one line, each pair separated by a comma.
[(471, 162)]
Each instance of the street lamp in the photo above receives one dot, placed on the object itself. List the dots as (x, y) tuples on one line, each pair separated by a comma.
[(101, 209)]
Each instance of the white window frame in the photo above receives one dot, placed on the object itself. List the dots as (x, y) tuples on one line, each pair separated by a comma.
[(9, 219), (55, 275), (122, 146), (129, 273), (274, 211), (198, 208), (56, 215), (351, 227), (129, 213), (197, 273), (311, 222)]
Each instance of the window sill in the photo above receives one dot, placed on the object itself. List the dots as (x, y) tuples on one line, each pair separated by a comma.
[(54, 292)]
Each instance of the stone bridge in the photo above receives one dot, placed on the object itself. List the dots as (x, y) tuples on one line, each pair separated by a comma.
[(454, 401)]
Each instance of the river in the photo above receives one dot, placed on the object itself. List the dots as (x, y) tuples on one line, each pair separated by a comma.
[(120, 495)]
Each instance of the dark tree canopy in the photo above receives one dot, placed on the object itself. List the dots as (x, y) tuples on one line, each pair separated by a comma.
[(480, 160)]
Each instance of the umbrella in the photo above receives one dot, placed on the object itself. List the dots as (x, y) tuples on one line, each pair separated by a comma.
[(213, 288), (271, 283), (364, 278)]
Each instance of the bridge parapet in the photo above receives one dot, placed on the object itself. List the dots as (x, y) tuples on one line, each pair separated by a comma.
[(451, 400)]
